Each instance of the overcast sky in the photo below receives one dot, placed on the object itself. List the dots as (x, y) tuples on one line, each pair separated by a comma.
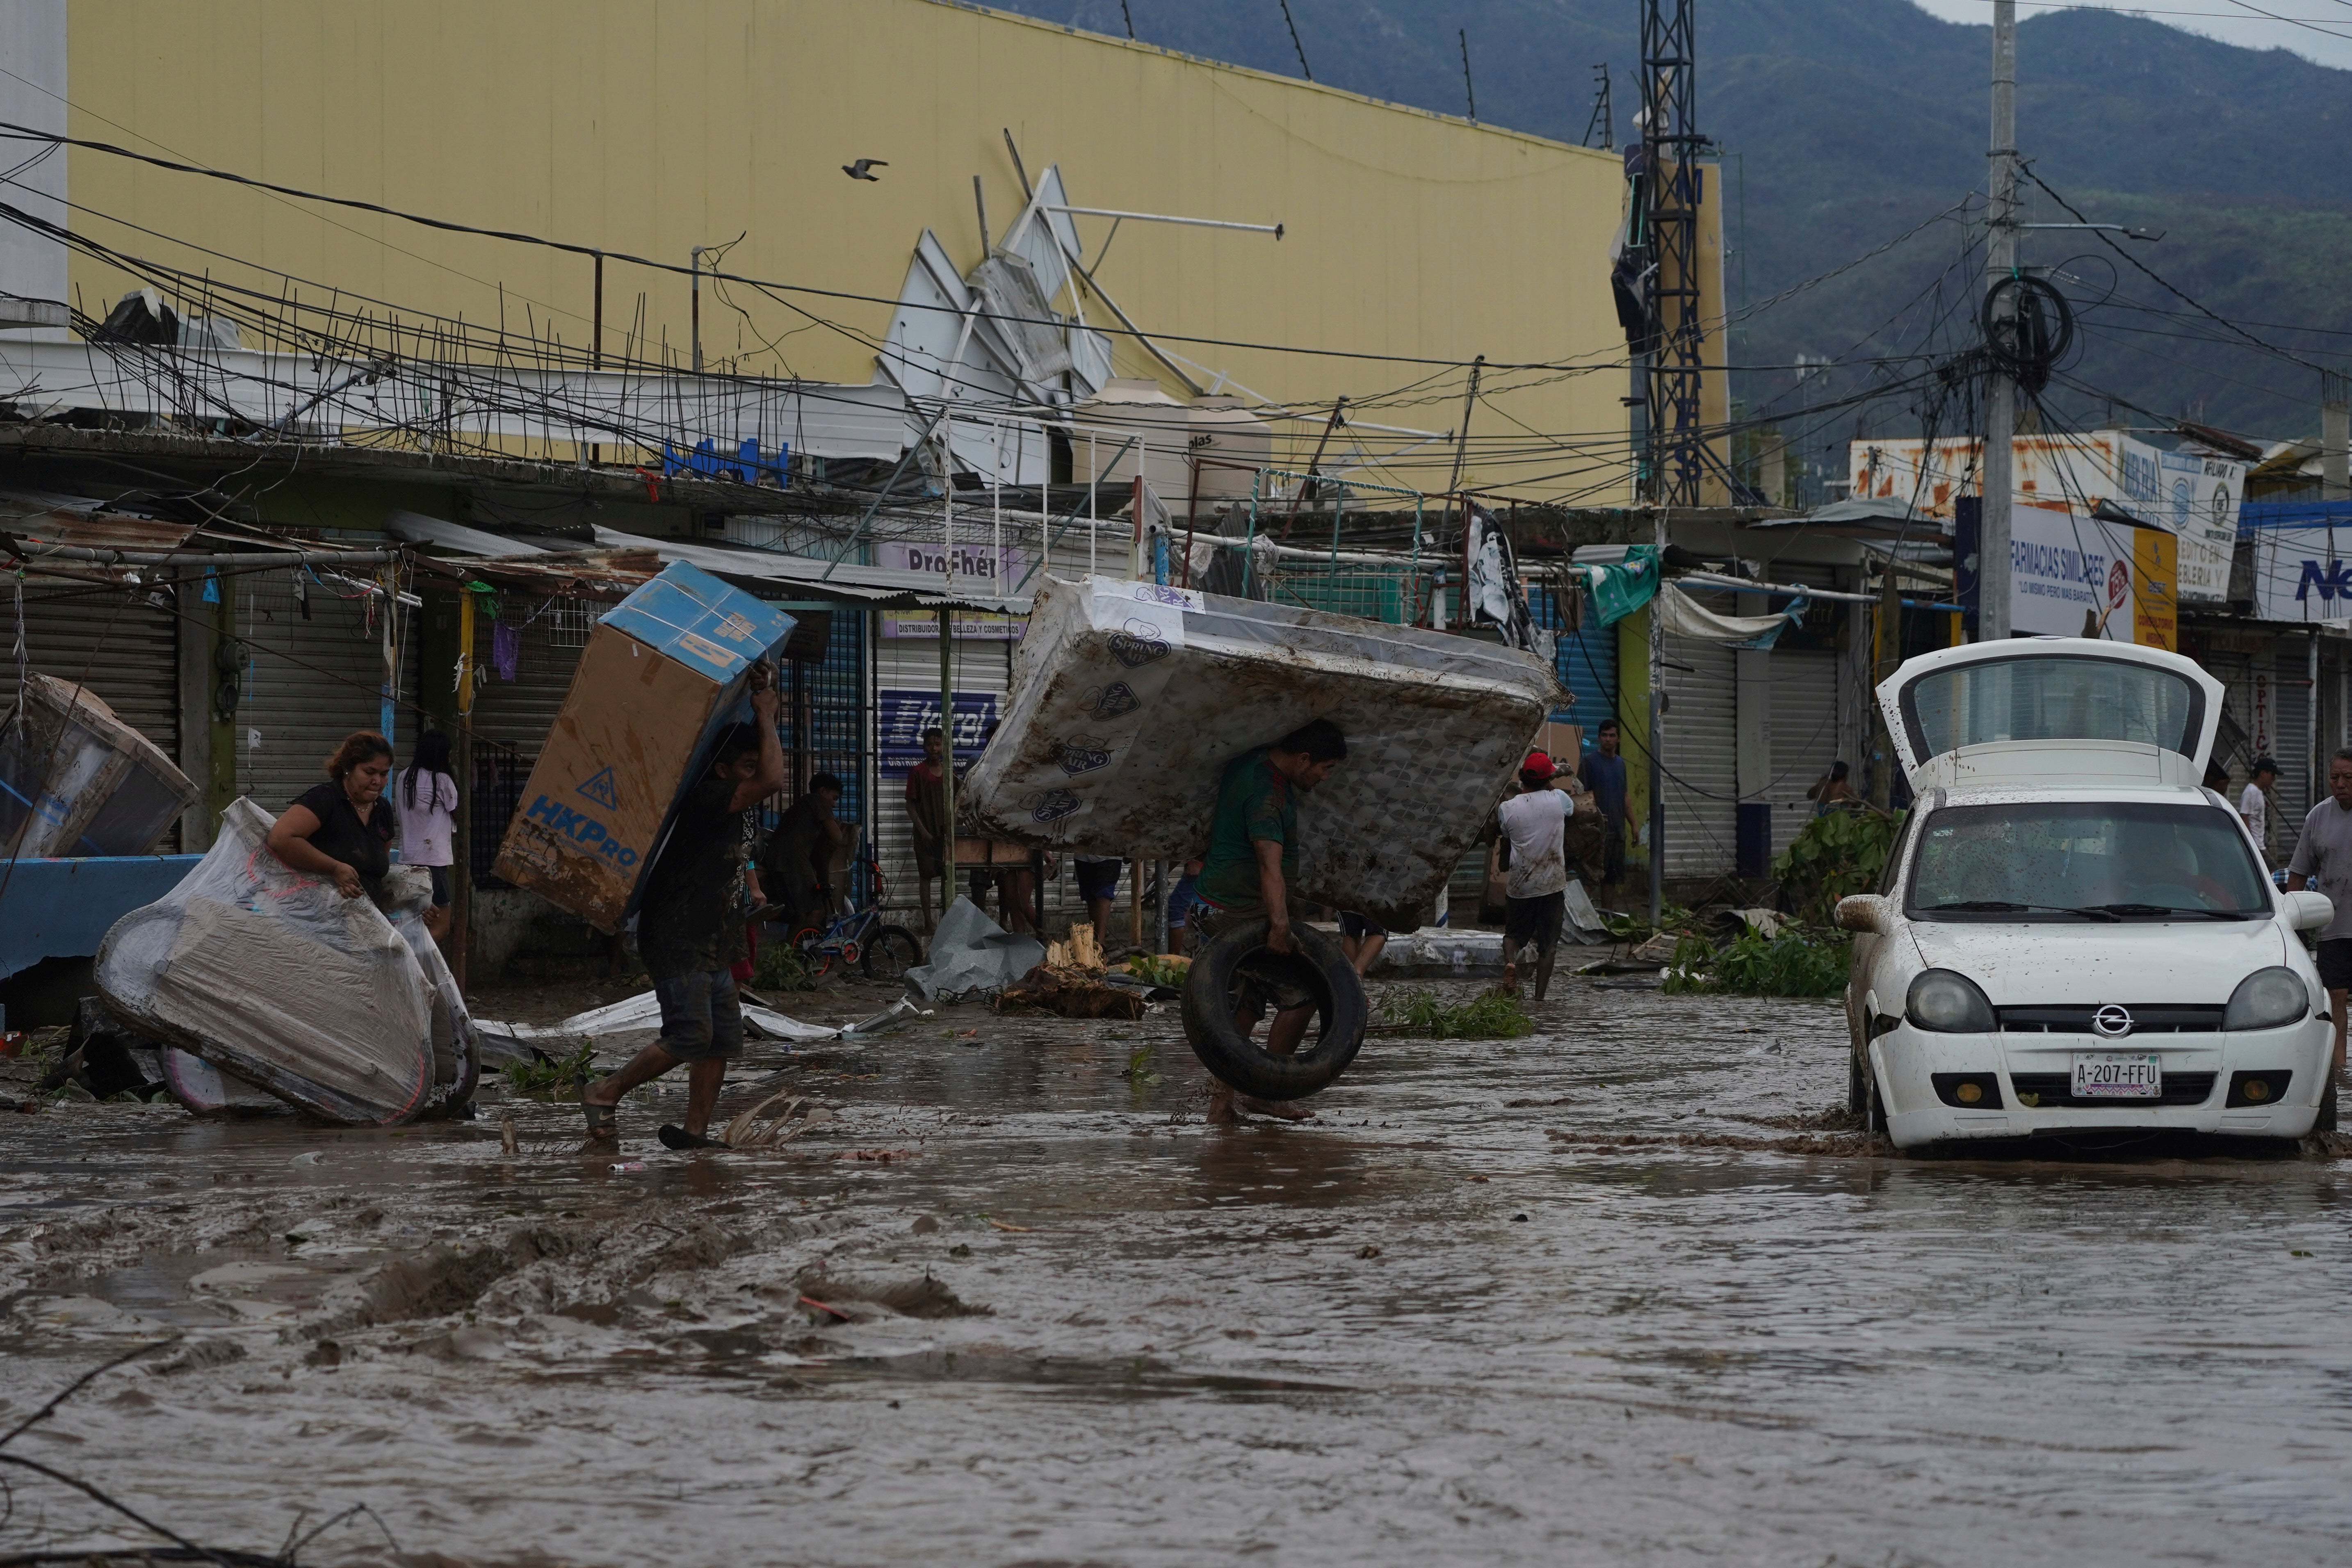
[(2317, 29)]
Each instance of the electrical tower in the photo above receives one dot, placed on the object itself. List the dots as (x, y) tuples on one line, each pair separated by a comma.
[(1671, 185)]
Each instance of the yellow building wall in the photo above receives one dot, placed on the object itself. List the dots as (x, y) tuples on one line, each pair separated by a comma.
[(648, 126)]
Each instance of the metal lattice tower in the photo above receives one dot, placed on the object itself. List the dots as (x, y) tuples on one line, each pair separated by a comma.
[(1671, 191)]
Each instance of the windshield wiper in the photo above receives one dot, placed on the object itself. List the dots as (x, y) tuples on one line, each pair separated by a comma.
[(2143, 909), (2002, 906)]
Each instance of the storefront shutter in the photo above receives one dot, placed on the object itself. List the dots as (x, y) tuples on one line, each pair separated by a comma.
[(309, 680), (1701, 755), (121, 643), (1804, 735)]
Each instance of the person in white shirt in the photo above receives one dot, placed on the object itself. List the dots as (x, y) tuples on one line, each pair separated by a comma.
[(425, 796), (1535, 824), (2254, 806)]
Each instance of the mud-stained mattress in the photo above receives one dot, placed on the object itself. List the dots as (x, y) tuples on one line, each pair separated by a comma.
[(1129, 699)]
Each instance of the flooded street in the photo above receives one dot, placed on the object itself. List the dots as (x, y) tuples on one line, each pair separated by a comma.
[(1618, 1293)]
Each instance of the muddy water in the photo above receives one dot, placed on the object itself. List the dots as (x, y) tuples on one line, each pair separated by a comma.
[(1605, 1295)]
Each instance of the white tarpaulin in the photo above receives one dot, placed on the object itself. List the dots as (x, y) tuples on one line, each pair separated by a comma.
[(1129, 699), (1686, 617), (642, 1013)]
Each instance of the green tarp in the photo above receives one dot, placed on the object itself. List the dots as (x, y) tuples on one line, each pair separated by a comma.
[(1620, 590)]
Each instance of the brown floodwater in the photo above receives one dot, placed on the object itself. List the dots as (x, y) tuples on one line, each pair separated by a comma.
[(1620, 1293)]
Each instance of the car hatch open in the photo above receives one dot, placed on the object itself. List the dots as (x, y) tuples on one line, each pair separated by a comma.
[(2050, 710)]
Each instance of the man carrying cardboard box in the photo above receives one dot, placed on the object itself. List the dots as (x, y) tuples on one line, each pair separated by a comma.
[(690, 928)]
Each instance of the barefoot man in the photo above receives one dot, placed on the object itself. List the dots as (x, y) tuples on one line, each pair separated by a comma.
[(690, 928), (1253, 854)]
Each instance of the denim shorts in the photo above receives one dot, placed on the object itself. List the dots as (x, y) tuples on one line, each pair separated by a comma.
[(701, 1017)]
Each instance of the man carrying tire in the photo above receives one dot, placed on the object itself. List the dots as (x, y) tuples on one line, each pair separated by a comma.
[(1244, 877)]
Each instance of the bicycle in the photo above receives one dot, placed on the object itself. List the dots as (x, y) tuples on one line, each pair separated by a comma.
[(861, 940)]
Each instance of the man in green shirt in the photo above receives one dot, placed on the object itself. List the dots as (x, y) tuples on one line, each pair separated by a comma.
[(1252, 856)]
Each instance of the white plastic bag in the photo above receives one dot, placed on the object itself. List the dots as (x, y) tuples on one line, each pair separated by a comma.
[(275, 978)]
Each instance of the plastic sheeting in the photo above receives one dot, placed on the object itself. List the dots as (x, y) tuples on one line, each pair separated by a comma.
[(275, 978), (1129, 699), (642, 1013), (973, 955)]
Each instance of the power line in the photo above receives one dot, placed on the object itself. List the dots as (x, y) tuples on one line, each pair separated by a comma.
[(2182, 295), (1294, 43)]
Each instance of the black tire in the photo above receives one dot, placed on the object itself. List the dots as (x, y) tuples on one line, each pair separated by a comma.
[(890, 952), (2327, 1120), (1876, 1117), (1236, 1059), (1857, 1086)]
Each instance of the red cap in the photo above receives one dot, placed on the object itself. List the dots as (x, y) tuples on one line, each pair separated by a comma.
[(1538, 763)]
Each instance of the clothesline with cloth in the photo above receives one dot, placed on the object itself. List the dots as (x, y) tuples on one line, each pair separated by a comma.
[(1622, 587)]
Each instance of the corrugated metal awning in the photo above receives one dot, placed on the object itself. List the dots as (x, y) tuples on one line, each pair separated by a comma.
[(880, 588)]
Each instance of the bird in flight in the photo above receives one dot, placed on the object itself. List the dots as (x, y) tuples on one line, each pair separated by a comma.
[(858, 170)]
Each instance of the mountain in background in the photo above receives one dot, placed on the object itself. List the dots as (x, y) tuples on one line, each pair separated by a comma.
[(1843, 124)]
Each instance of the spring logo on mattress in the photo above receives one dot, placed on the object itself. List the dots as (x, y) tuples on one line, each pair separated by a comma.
[(1049, 805), (1109, 701), (1139, 645), (1084, 754)]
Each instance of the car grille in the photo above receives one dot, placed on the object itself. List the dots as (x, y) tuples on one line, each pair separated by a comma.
[(2157, 1018), (2054, 1091)]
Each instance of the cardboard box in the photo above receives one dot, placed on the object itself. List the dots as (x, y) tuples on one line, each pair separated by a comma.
[(1563, 743), (663, 671), (96, 786)]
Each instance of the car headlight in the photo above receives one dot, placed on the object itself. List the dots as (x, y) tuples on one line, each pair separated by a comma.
[(2267, 999), (1948, 1003)]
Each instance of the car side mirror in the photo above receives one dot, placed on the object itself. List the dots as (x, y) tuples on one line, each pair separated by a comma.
[(1870, 911), (2306, 911)]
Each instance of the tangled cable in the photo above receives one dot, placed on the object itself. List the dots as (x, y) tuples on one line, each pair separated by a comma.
[(2029, 339)]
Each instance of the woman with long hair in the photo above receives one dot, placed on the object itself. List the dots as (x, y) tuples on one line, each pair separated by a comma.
[(425, 796), (341, 831)]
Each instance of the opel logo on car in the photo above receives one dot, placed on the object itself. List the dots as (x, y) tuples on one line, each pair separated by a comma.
[(2112, 1021)]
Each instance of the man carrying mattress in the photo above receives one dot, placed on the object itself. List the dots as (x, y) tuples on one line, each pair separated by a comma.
[(690, 928), (1253, 857)]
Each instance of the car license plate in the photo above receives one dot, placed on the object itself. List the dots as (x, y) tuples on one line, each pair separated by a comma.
[(2119, 1075)]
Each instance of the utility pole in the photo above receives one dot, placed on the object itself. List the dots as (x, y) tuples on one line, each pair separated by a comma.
[(2335, 436), (2001, 394), (1672, 190)]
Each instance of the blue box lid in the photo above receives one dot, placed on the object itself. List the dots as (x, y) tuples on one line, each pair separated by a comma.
[(700, 622)]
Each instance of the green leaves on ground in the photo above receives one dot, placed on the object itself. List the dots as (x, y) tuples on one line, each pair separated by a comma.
[(1796, 963), (552, 1078), (1160, 969), (1839, 853), (1494, 1015), (779, 968)]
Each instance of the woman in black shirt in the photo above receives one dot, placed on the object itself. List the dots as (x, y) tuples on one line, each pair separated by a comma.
[(341, 830)]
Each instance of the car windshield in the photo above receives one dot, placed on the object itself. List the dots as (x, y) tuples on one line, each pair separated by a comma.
[(2088, 860), (2051, 697)]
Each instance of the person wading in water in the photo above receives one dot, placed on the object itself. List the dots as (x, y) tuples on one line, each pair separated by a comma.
[(1253, 858), (690, 929)]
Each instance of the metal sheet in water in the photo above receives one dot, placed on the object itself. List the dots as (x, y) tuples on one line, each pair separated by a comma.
[(1129, 699)]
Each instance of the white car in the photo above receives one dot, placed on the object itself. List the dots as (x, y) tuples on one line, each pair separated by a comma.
[(2071, 936)]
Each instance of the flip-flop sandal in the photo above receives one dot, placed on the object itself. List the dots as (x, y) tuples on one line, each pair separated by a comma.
[(604, 1121), (680, 1138)]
